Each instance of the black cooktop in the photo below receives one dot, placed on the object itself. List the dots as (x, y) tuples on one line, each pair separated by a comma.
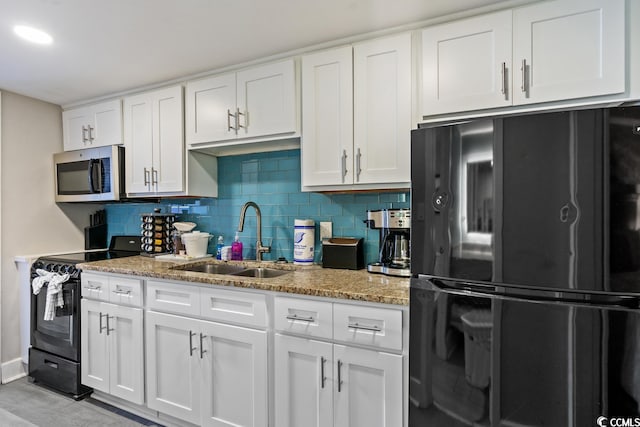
[(121, 246)]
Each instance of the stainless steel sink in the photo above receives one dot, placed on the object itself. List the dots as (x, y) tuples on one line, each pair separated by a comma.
[(262, 273), (215, 268)]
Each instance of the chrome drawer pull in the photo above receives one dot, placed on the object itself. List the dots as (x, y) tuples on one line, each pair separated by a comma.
[(373, 328), (309, 319), (119, 292)]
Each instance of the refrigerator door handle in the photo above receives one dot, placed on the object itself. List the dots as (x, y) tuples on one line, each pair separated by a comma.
[(536, 295)]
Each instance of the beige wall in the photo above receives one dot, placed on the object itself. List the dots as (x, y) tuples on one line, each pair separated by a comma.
[(31, 222)]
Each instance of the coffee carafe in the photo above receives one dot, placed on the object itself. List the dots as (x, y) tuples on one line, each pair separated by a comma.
[(395, 228)]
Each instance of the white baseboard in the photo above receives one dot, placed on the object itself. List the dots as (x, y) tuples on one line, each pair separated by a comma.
[(13, 370)]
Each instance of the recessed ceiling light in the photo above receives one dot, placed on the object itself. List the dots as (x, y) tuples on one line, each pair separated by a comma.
[(32, 34)]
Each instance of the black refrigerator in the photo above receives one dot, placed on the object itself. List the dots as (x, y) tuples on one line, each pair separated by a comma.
[(525, 261)]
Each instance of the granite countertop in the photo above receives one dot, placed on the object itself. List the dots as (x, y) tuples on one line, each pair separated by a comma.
[(305, 280)]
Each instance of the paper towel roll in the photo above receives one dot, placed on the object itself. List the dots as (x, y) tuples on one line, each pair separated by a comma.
[(303, 241)]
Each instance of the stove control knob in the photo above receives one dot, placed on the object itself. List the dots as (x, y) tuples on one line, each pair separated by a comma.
[(70, 269), (37, 265), (49, 266)]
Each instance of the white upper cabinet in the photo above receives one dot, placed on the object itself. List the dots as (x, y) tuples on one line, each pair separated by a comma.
[(211, 109), (382, 110), (253, 103), (466, 64), (568, 49), (266, 100), (548, 51), (356, 112), (154, 142), (327, 117), (92, 126)]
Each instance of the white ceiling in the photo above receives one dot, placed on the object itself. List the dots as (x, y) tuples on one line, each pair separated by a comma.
[(108, 46)]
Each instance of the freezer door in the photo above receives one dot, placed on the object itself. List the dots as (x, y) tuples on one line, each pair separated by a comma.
[(487, 359), (518, 200)]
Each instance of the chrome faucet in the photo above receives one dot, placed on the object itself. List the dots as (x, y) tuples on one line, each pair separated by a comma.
[(259, 248)]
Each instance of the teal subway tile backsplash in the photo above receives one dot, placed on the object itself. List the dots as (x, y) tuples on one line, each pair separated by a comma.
[(272, 180)]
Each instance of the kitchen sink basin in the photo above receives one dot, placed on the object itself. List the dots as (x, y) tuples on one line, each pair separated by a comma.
[(215, 268), (262, 273)]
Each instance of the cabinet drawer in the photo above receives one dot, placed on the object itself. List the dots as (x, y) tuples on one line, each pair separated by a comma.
[(372, 326), (310, 318), (95, 286), (173, 298), (235, 307), (125, 291)]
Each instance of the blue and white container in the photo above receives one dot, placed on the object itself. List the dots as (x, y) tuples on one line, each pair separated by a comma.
[(303, 241)]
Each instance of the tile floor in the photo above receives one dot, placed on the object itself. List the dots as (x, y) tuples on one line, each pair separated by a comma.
[(23, 404)]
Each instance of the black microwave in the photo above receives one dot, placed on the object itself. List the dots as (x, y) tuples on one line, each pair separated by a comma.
[(89, 175)]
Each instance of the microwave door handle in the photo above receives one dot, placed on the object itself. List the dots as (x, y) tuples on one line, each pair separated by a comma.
[(93, 175), (99, 175)]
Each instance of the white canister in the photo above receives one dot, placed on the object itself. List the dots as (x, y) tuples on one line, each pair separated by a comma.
[(196, 243), (304, 238)]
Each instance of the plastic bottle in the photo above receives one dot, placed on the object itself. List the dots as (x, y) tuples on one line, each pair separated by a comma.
[(219, 247), (236, 249)]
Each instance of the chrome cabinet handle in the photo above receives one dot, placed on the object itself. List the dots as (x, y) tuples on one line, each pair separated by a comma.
[(91, 129), (108, 329), (373, 328), (93, 288), (503, 77), (202, 351), (358, 168), (146, 176), (101, 327), (309, 319), (229, 127), (238, 125), (84, 134), (322, 377), (154, 176), (191, 347), (524, 76), (119, 292), (339, 376), (344, 164)]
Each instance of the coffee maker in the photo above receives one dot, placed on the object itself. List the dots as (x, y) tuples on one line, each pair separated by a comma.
[(395, 228)]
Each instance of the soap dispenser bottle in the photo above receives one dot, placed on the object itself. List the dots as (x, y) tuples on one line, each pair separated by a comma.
[(219, 247), (236, 249)]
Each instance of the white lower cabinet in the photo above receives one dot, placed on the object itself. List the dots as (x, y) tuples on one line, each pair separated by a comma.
[(369, 388), (324, 384), (112, 349), (206, 373), (303, 382)]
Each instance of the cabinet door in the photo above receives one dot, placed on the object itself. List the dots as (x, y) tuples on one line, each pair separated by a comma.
[(303, 382), (210, 104), (570, 49), (126, 353), (234, 376), (105, 127), (138, 142), (94, 348), (466, 64), (75, 128), (173, 372), (168, 140), (327, 117), (368, 391), (382, 110), (266, 100)]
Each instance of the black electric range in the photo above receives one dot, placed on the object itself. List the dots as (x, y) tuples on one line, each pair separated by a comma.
[(54, 356)]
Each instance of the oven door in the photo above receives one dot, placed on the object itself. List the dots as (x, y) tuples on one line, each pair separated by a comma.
[(60, 336)]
